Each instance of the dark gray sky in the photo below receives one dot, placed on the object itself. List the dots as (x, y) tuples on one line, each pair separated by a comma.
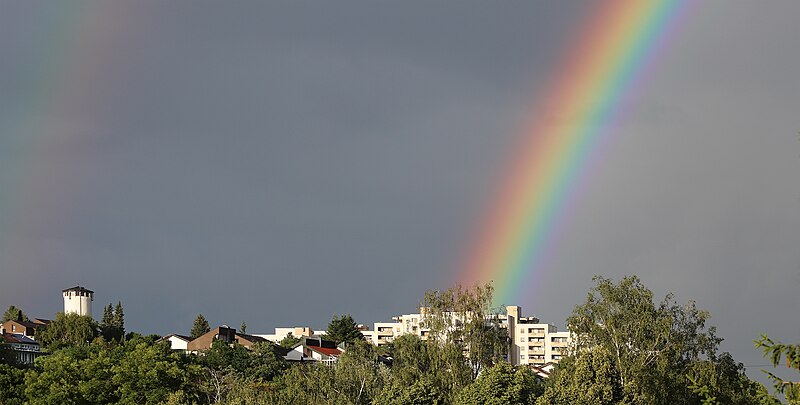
[(280, 163)]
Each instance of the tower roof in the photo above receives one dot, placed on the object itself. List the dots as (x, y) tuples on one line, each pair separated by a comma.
[(79, 289)]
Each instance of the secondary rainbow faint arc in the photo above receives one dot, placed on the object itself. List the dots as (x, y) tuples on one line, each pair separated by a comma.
[(570, 122), (72, 77)]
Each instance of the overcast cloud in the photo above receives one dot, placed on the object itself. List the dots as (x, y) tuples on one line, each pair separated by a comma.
[(281, 163)]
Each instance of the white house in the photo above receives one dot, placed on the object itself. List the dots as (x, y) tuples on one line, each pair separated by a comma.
[(177, 342), (23, 349), (314, 349)]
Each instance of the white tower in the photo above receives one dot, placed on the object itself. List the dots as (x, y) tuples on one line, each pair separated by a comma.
[(78, 300)]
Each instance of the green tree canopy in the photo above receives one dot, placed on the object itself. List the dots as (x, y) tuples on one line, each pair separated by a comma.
[(108, 317), (343, 329), (425, 371), (200, 327), (119, 318), (12, 385), (112, 324), (640, 352), (464, 317), (357, 378), (502, 384), (70, 329), (15, 314), (289, 341), (588, 378), (137, 372)]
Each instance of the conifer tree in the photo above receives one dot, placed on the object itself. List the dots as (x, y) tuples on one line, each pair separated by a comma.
[(119, 317), (14, 314), (343, 330), (200, 327), (108, 317), (112, 326)]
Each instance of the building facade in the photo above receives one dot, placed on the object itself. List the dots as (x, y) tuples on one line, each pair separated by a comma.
[(530, 341), (78, 300), (282, 333), (18, 348)]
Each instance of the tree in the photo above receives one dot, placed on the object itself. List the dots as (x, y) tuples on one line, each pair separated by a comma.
[(200, 327), (15, 314), (74, 375), (425, 371), (723, 381), (108, 317), (149, 374), (243, 328), (109, 325), (234, 374), (464, 317), (639, 351), (790, 353), (70, 329), (12, 385), (289, 341), (343, 329), (356, 378), (135, 372), (502, 384), (421, 392), (589, 378), (119, 318)]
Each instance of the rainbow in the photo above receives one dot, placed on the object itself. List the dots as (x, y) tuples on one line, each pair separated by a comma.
[(74, 75), (570, 123)]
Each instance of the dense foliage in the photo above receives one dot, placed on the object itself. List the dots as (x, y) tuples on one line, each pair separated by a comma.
[(627, 350), (343, 329), (14, 314), (112, 326), (69, 329), (630, 350), (200, 327)]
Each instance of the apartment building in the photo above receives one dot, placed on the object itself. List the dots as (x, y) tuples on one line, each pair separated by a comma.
[(295, 331), (532, 342)]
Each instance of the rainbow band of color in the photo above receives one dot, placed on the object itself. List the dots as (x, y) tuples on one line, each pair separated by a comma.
[(573, 120)]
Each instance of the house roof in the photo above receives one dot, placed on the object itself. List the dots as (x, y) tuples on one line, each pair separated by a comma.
[(79, 289), (326, 351), (18, 338), (544, 370), (251, 338), (26, 324), (281, 351), (182, 337)]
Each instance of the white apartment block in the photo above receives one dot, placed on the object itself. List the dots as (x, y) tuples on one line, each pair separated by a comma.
[(296, 331), (532, 342)]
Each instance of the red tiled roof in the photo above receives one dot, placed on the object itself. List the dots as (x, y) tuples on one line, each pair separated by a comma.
[(326, 351)]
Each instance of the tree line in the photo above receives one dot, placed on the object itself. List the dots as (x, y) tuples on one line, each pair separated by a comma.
[(628, 348)]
